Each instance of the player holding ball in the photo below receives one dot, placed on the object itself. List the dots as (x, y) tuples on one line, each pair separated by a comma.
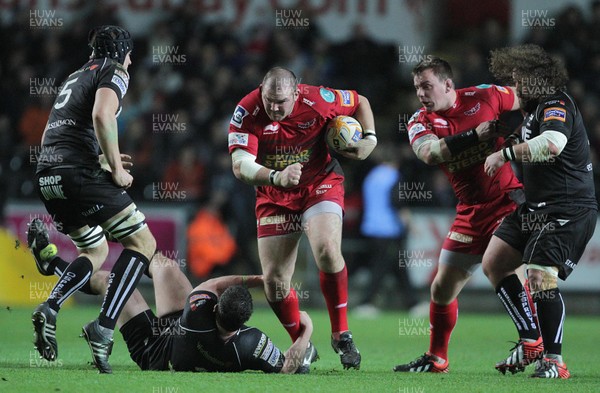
[(277, 144)]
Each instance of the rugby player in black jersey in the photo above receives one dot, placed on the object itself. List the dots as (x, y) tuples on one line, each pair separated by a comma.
[(202, 329), (86, 200), (550, 231)]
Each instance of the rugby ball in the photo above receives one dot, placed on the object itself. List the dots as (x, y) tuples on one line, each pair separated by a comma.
[(342, 130)]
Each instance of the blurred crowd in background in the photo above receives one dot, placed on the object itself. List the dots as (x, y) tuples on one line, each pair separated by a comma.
[(176, 113)]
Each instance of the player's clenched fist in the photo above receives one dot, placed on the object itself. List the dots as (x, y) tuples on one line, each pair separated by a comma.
[(290, 176)]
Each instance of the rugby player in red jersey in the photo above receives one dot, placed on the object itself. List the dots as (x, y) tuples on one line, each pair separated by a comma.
[(455, 130), (277, 143)]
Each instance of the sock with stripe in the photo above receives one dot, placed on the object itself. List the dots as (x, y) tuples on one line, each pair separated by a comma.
[(551, 314), (75, 276), (59, 265), (123, 279), (515, 300), (335, 290), (288, 312), (443, 320)]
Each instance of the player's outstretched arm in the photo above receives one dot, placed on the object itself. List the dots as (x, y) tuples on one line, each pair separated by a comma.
[(218, 285), (295, 354)]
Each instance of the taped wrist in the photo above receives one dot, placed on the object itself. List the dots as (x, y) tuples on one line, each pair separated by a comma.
[(461, 142)]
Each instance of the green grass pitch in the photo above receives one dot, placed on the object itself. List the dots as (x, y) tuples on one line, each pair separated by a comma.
[(477, 343)]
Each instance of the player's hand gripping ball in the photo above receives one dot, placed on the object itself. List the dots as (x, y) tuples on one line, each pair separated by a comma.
[(342, 130)]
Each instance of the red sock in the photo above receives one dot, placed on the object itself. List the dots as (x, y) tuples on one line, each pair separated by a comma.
[(335, 290), (288, 312), (442, 319)]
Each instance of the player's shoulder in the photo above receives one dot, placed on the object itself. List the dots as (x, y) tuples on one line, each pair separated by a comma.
[(555, 107), (247, 108), (482, 91), (322, 97), (419, 123)]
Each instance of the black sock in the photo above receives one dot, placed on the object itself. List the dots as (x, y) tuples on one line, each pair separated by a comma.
[(123, 279), (514, 299), (551, 315), (74, 277), (59, 265)]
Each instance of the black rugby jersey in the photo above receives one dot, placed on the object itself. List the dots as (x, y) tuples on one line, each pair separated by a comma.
[(194, 344), (69, 136), (566, 179)]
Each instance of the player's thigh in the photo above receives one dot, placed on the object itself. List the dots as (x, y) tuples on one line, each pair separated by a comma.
[(171, 286), (454, 271), (323, 228), (277, 256), (500, 260)]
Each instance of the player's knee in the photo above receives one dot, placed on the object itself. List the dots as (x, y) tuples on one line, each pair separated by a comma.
[(328, 254), (161, 266), (96, 255), (277, 287), (142, 242), (542, 278)]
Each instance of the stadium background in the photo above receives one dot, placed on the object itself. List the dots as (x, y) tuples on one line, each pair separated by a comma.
[(193, 61)]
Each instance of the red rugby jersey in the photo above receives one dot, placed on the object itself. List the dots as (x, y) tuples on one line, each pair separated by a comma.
[(473, 106), (300, 137)]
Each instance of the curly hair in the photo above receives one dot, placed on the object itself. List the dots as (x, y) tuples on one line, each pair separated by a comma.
[(234, 307), (529, 67)]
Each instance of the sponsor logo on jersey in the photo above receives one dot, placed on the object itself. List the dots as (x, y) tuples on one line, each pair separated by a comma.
[(561, 102), (308, 124), (327, 95), (238, 138), (198, 300), (93, 67), (459, 237), (555, 113), (414, 116), (284, 156), (502, 89), (483, 86), (267, 352), (238, 116), (308, 102), (470, 93), (346, 97), (271, 129), (120, 83), (415, 130), (274, 358), (60, 123), (570, 264), (256, 110), (440, 123), (260, 346), (323, 188), (473, 110), (471, 156), (123, 75)]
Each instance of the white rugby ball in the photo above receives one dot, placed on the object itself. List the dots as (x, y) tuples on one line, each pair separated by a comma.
[(342, 130)]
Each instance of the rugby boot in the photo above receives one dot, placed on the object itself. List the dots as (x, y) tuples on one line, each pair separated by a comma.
[(424, 364), (100, 345), (44, 332), (38, 242), (310, 356), (523, 354), (349, 355), (551, 368)]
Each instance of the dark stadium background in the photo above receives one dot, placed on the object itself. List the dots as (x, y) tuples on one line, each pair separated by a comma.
[(189, 71)]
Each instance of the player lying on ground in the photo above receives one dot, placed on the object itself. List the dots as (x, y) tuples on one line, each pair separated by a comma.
[(199, 329)]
